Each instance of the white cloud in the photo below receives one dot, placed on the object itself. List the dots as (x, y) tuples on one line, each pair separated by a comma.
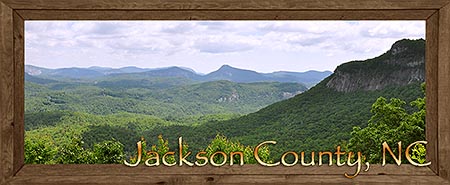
[(137, 42), (225, 44)]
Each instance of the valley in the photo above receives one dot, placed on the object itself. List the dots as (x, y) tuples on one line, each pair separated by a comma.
[(303, 111)]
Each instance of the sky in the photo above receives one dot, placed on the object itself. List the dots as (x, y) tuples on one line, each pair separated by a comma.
[(204, 46)]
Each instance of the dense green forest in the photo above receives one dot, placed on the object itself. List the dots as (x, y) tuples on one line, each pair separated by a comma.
[(318, 119), (107, 115), (179, 101), (125, 109), (391, 122)]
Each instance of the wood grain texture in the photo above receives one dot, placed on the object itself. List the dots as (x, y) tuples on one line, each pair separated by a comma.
[(6, 92), (19, 96), (225, 15), (11, 86), (114, 169), (226, 4), (444, 93), (431, 67), (231, 179)]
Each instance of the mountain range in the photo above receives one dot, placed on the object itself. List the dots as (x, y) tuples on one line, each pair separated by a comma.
[(183, 103), (322, 117), (226, 72), (403, 64)]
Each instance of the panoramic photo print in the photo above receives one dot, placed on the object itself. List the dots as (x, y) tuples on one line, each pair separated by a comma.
[(115, 92)]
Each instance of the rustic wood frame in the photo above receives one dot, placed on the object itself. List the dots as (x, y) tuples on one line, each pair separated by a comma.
[(13, 13)]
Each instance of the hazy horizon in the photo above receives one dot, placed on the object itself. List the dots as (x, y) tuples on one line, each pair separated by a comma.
[(204, 46), (90, 67)]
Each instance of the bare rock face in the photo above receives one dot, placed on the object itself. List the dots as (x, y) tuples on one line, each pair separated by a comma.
[(403, 64)]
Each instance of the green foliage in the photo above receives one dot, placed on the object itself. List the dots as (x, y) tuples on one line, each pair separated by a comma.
[(163, 147), (171, 103), (317, 120), (108, 152), (412, 50), (44, 151), (390, 122), (111, 113), (35, 120), (74, 153), (221, 143), (418, 153), (39, 151)]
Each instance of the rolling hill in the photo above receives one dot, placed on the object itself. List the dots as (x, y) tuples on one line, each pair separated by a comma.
[(167, 98), (319, 118), (186, 104), (226, 72)]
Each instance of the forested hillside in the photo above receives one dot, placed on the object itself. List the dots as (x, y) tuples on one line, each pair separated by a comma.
[(225, 72), (127, 106), (124, 107), (318, 119), (168, 102)]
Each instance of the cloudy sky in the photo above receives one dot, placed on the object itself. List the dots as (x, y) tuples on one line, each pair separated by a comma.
[(263, 46)]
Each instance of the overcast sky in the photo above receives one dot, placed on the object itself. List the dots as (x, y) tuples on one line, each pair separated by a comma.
[(263, 46)]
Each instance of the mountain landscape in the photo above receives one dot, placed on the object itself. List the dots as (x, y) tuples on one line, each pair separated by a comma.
[(302, 111), (168, 93), (323, 116), (402, 64), (226, 72)]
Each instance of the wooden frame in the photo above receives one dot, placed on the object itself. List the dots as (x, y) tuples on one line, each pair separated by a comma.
[(13, 13)]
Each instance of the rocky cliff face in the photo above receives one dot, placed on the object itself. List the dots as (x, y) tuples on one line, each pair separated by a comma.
[(403, 64)]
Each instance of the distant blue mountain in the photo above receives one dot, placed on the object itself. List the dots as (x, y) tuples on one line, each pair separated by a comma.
[(81, 73), (309, 78), (177, 72), (226, 72), (30, 78), (108, 70), (229, 73)]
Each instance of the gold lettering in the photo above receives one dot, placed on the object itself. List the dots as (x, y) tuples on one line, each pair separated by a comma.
[(164, 159), (155, 157), (349, 163), (397, 160), (283, 159), (198, 157), (241, 161), (139, 150), (409, 157), (330, 158), (312, 163), (224, 158), (180, 151), (258, 159), (338, 156)]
